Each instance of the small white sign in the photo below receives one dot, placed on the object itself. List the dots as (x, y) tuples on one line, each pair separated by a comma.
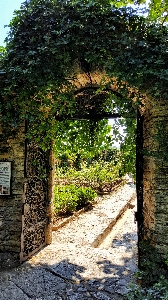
[(5, 177)]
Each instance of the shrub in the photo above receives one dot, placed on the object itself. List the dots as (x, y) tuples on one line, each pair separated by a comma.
[(67, 198), (156, 292), (100, 176), (85, 196), (153, 286)]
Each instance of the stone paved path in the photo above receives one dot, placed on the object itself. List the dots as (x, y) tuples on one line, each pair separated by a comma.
[(82, 262)]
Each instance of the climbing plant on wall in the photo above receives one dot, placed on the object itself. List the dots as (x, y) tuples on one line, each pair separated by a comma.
[(51, 41)]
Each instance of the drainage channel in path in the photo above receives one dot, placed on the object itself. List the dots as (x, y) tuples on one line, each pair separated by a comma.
[(119, 232), (104, 239)]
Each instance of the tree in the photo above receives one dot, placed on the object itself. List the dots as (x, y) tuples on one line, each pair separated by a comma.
[(158, 10), (73, 138)]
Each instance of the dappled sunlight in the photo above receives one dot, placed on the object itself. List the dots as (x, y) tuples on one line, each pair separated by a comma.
[(65, 279)]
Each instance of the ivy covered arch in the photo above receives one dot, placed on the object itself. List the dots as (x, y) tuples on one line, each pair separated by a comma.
[(53, 44), (57, 48)]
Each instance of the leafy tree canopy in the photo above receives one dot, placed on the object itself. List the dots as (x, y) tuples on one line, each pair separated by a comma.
[(85, 138), (50, 41)]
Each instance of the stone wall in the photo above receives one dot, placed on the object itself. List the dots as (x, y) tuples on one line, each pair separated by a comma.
[(12, 150), (155, 174), (25, 214)]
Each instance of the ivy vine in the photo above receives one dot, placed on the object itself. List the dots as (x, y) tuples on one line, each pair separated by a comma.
[(48, 38)]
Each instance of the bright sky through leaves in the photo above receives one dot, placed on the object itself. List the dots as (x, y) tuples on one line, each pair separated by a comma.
[(7, 8)]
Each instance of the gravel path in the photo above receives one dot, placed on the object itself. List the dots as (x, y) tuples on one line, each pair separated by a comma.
[(87, 260)]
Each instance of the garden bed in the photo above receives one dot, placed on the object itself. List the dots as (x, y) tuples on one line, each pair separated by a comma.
[(61, 219)]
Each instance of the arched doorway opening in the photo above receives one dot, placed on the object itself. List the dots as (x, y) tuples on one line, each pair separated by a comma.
[(89, 103), (76, 47)]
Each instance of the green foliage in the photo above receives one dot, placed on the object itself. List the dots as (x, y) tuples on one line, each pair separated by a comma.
[(151, 284), (2, 52), (65, 199), (75, 189), (100, 176), (78, 145), (157, 292), (159, 11), (128, 148), (83, 139), (70, 197), (49, 41), (152, 263), (85, 196)]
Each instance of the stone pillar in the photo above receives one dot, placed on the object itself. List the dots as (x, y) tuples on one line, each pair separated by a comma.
[(155, 175), (12, 149)]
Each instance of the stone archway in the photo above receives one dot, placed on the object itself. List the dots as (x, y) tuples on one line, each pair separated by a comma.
[(88, 38), (151, 166), (18, 240)]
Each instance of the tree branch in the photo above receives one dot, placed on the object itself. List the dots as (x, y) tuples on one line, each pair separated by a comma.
[(101, 116)]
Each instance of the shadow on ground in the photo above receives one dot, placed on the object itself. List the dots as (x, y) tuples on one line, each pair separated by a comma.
[(65, 280), (68, 271)]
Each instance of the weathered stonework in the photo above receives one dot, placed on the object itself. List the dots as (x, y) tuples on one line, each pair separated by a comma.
[(25, 215), (11, 206), (155, 174)]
